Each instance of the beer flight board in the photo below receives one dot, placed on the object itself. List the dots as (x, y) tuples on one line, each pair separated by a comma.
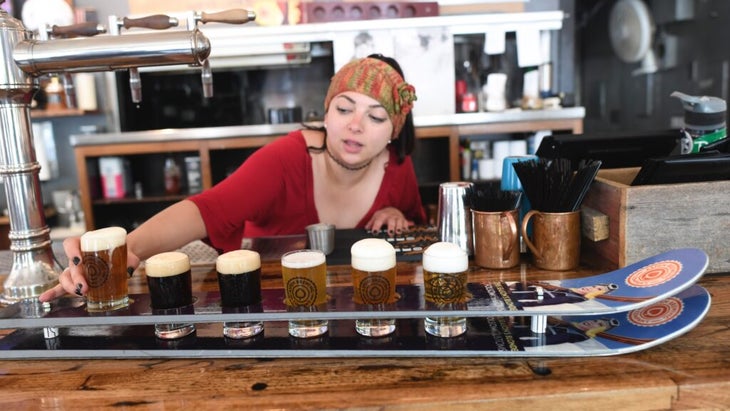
[(67, 330)]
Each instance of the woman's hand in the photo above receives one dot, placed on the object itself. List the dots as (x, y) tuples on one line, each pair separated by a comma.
[(73, 279), (390, 217)]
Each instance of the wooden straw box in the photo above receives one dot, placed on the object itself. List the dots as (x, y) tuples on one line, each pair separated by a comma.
[(646, 220)]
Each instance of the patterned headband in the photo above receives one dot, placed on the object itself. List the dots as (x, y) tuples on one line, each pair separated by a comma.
[(377, 79)]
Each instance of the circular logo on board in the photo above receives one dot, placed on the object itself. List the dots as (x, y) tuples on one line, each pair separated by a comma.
[(301, 291), (657, 314), (654, 274), (97, 270), (374, 289), (446, 289)]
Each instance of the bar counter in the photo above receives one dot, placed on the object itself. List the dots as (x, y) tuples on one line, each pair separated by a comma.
[(688, 372)]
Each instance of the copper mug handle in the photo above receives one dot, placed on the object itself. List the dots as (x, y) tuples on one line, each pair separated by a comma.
[(528, 243), (507, 250)]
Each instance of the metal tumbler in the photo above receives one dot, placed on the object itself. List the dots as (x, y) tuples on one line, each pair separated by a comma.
[(454, 214)]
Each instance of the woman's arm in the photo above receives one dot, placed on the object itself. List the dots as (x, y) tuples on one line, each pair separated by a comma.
[(168, 230)]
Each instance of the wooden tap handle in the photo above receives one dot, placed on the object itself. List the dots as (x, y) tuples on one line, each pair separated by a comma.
[(155, 21), (232, 16), (87, 29)]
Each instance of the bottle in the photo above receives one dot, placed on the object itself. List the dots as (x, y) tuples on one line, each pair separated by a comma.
[(172, 176), (466, 160), (704, 123), (54, 95), (468, 88), (494, 90)]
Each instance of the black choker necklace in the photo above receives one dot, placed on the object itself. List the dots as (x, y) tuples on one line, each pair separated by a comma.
[(345, 166)]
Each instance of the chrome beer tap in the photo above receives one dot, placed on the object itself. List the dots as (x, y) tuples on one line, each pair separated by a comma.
[(229, 16), (25, 59), (81, 29), (157, 22)]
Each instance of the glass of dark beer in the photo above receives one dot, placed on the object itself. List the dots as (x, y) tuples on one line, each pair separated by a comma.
[(305, 288), (445, 268), (104, 259), (373, 279), (170, 284), (239, 281)]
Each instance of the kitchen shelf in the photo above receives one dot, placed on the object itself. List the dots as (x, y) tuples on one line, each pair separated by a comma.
[(144, 199), (66, 112), (210, 143)]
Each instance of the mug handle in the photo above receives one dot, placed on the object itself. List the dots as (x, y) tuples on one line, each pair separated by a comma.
[(512, 234), (530, 245)]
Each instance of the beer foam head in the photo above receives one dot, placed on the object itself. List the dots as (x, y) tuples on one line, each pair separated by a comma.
[(444, 257), (303, 259), (167, 264), (237, 262), (103, 239), (372, 254)]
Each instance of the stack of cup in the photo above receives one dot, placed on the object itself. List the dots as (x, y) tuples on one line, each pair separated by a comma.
[(454, 214)]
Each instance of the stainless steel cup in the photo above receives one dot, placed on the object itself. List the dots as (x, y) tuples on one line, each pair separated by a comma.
[(321, 237), (454, 214)]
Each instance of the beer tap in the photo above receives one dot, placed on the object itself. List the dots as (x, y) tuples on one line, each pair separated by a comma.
[(157, 22), (74, 30), (228, 16), (34, 269)]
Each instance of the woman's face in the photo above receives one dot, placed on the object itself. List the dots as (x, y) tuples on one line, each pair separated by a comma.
[(358, 128)]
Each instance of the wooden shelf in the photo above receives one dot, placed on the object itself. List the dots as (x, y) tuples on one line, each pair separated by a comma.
[(203, 142), (144, 199), (67, 112)]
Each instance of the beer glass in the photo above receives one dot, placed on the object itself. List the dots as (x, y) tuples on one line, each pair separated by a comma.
[(104, 259), (445, 268), (305, 289), (239, 282), (170, 284), (373, 280)]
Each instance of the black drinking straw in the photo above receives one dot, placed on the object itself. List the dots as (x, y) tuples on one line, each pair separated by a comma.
[(551, 186)]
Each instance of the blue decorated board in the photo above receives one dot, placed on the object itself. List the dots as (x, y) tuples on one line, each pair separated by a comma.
[(629, 309)]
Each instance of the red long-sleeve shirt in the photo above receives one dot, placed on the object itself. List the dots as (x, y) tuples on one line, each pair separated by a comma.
[(272, 193)]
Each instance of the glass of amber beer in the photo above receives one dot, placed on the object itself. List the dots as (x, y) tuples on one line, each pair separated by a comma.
[(170, 284), (373, 280), (239, 281), (445, 267), (305, 289), (104, 259)]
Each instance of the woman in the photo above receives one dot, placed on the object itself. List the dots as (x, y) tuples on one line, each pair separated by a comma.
[(355, 172)]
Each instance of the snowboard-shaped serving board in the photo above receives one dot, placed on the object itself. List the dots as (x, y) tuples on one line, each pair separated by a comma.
[(625, 310)]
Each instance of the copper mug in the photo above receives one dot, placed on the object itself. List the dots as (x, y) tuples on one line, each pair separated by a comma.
[(496, 239), (555, 242)]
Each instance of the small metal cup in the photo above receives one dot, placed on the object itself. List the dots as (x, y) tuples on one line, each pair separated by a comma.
[(321, 237), (454, 214)]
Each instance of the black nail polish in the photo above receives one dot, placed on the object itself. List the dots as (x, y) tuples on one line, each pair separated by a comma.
[(78, 290), (76, 260), (130, 271)]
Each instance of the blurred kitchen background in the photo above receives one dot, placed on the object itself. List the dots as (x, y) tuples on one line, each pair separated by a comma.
[(619, 60)]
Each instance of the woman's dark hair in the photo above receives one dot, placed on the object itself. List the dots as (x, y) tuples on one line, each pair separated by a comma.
[(404, 143)]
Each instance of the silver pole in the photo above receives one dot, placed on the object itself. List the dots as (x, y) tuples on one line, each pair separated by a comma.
[(33, 269), (23, 58)]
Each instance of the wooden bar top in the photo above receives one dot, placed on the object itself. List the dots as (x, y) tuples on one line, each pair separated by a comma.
[(688, 372)]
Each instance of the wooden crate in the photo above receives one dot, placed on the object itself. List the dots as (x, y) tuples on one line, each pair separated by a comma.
[(646, 220)]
